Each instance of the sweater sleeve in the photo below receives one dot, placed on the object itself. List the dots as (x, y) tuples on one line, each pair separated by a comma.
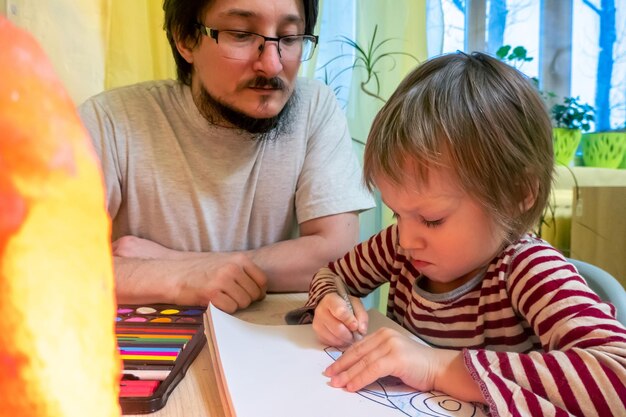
[(581, 369), (363, 269)]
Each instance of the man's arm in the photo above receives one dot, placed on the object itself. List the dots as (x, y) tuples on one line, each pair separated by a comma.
[(230, 282), (290, 265), (147, 272)]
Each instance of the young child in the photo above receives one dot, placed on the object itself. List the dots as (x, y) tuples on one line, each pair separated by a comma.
[(462, 154)]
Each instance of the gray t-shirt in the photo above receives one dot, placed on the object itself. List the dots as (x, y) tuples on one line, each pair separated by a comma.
[(173, 178)]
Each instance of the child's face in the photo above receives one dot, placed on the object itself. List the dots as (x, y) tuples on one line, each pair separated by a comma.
[(447, 234)]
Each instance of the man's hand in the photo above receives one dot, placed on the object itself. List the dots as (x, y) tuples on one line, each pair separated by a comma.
[(149, 272), (230, 283)]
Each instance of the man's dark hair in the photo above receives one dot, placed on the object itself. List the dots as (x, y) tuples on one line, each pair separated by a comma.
[(182, 16)]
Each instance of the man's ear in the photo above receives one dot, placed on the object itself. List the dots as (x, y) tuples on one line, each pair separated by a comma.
[(184, 49)]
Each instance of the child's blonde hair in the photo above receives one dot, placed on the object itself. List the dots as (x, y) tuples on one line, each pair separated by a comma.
[(480, 117)]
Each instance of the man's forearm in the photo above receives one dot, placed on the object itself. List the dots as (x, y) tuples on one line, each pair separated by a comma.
[(147, 271), (290, 265), (147, 280), (229, 282)]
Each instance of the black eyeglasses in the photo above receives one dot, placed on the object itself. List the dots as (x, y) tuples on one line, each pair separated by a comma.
[(247, 46)]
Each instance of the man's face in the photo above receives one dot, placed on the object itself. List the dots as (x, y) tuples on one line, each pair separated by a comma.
[(261, 86)]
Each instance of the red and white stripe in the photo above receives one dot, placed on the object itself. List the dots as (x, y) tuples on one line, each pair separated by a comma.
[(534, 336)]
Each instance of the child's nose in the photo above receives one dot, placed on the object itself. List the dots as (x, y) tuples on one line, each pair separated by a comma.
[(410, 238)]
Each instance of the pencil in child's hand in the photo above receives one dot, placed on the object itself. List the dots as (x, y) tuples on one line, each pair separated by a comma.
[(343, 293)]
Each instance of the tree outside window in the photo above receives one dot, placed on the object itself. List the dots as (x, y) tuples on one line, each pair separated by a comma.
[(597, 29)]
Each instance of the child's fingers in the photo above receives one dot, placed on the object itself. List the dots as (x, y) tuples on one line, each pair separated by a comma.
[(343, 313), (331, 332), (330, 329), (337, 334), (361, 316), (364, 368), (351, 356)]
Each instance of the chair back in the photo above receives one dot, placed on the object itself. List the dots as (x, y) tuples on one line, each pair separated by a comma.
[(604, 284)]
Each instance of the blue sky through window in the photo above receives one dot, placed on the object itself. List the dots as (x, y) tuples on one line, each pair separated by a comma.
[(522, 29), (446, 33)]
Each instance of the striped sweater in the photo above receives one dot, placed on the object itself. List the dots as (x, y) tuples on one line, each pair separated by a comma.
[(534, 337)]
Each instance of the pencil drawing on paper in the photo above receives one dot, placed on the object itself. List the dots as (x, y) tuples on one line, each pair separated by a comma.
[(393, 393)]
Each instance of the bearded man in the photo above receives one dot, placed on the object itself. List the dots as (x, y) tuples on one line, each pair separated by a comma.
[(236, 179)]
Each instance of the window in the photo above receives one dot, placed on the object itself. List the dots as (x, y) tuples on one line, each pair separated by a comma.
[(599, 71), (578, 46)]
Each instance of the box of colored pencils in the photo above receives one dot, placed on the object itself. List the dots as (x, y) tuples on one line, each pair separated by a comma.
[(157, 343)]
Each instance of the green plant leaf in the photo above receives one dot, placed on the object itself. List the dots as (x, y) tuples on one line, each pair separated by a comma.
[(368, 58), (571, 114), (503, 51)]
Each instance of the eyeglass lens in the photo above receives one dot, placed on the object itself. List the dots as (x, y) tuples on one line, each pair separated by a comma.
[(246, 46)]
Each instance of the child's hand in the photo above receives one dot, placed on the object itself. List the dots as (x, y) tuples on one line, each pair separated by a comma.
[(387, 352), (334, 323)]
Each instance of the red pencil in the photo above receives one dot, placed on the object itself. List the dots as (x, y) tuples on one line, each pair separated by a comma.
[(137, 388)]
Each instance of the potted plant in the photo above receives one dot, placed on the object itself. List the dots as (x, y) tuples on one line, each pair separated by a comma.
[(622, 165), (606, 149), (369, 58), (571, 118), (514, 56)]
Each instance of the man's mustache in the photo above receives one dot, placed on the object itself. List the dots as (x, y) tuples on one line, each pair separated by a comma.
[(263, 82)]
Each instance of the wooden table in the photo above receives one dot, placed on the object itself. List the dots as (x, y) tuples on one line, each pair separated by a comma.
[(197, 395)]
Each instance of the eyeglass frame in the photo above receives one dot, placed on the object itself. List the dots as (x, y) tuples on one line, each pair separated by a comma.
[(214, 33)]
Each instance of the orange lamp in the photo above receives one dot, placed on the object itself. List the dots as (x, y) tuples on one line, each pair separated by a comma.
[(58, 354)]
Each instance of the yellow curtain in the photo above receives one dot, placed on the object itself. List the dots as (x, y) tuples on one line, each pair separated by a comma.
[(402, 25), (136, 45)]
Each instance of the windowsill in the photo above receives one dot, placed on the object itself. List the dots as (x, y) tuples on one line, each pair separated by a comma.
[(589, 177), (559, 234)]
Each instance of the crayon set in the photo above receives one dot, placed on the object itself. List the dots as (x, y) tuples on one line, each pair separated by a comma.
[(157, 343)]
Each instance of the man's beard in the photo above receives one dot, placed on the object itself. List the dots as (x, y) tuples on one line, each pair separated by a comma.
[(214, 111)]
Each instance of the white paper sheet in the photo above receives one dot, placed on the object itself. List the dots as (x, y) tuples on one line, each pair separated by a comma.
[(276, 371)]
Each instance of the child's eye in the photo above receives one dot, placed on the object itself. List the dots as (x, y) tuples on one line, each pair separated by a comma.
[(432, 223)]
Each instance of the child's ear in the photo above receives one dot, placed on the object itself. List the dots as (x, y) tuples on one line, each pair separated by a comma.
[(531, 197)]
